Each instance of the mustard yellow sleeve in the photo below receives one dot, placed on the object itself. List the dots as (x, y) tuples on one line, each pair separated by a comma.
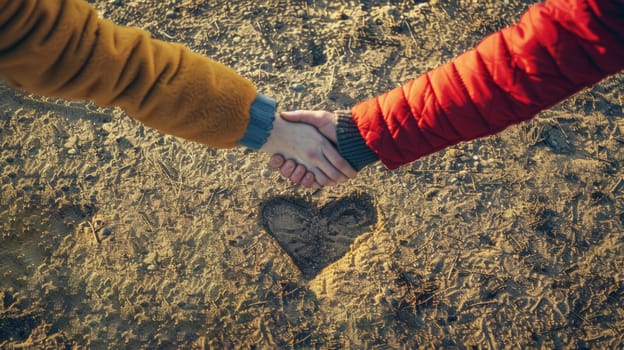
[(61, 48)]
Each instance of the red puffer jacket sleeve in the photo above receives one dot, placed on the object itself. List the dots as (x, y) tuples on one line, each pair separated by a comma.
[(556, 49)]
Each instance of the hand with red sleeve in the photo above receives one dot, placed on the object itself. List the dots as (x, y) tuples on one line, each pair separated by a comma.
[(558, 48)]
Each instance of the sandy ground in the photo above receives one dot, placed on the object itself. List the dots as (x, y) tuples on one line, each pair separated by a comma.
[(116, 236)]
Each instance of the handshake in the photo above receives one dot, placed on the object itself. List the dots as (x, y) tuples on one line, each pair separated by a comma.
[(508, 78), (303, 148)]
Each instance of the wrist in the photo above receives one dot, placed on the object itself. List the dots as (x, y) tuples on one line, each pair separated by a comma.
[(273, 139), (351, 145), (261, 119)]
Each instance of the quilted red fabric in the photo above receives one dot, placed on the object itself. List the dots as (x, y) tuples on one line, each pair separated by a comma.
[(556, 49)]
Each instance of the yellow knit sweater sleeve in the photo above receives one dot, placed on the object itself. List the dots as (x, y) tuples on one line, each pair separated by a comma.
[(61, 48)]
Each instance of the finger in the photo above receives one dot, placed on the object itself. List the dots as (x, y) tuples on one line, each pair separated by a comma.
[(287, 169), (292, 116), (321, 178), (298, 174), (308, 180), (315, 118), (276, 161), (332, 173), (339, 162)]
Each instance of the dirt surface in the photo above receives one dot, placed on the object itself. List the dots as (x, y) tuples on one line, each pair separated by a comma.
[(116, 236)]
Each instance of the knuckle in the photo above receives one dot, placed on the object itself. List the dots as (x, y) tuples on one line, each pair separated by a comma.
[(334, 175), (341, 163), (310, 154)]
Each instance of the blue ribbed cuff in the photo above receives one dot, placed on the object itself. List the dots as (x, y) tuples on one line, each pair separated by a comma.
[(261, 117), (351, 144)]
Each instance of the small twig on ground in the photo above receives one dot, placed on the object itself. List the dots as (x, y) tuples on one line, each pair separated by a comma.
[(97, 239), (435, 295), (536, 305), (580, 317), (430, 171), (452, 267), (303, 339), (426, 243), (601, 159), (483, 303), (480, 273), (618, 185)]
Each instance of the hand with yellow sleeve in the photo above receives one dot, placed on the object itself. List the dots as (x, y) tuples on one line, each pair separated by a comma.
[(61, 48)]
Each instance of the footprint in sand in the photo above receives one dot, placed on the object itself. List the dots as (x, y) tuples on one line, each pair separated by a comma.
[(316, 238)]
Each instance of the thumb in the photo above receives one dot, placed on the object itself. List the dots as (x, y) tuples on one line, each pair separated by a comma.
[(276, 161), (324, 121), (315, 118)]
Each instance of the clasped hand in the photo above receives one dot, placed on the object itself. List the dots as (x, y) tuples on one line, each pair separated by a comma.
[(302, 145)]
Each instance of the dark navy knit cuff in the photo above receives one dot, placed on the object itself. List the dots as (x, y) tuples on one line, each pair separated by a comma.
[(261, 117), (351, 144)]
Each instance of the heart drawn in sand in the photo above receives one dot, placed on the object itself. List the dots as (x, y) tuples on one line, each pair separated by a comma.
[(315, 238)]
